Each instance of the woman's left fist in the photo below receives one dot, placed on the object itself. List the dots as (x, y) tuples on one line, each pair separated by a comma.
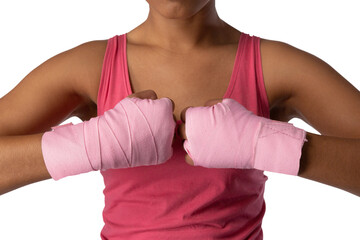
[(182, 127)]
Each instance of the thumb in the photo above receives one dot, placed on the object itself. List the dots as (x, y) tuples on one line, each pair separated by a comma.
[(213, 102), (150, 94)]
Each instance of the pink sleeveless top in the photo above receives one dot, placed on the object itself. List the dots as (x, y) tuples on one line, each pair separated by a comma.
[(175, 200)]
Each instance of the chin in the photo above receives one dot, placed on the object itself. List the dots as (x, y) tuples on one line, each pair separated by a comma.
[(177, 9)]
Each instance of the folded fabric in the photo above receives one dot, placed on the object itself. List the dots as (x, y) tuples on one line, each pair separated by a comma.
[(136, 132), (227, 135)]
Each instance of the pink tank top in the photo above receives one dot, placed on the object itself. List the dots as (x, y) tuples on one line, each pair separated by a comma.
[(175, 200)]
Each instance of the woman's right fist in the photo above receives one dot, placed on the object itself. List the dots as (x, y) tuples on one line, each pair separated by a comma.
[(141, 131), (138, 131)]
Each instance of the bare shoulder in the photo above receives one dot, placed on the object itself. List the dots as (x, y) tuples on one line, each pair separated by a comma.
[(61, 87), (300, 84)]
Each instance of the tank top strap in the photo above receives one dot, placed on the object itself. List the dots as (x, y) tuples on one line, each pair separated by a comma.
[(114, 84), (248, 83)]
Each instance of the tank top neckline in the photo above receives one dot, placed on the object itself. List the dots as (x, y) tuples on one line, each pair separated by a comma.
[(231, 83)]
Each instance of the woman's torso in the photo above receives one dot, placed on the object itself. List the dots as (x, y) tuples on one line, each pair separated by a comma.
[(190, 80)]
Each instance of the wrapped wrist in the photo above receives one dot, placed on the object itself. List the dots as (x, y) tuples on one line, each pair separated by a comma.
[(278, 147)]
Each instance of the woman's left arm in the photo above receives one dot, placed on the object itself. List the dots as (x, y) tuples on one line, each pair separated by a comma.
[(323, 98)]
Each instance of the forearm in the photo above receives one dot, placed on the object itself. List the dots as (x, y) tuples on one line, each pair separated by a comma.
[(333, 161), (21, 161)]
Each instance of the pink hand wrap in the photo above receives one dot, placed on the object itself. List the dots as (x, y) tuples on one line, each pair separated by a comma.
[(227, 135), (136, 132)]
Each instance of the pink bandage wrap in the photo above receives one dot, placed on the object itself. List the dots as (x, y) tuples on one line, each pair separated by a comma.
[(227, 135), (136, 132)]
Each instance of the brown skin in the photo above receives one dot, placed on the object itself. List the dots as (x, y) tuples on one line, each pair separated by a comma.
[(183, 9), (27, 148), (184, 51)]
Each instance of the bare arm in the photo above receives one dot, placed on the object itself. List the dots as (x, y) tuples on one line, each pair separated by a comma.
[(320, 96), (21, 161), (51, 93), (332, 160)]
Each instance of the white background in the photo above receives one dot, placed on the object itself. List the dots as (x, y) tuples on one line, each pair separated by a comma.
[(33, 31)]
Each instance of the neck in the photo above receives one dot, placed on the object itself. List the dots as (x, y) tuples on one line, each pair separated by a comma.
[(174, 34)]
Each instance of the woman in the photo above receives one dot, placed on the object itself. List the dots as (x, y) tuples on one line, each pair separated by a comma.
[(179, 48)]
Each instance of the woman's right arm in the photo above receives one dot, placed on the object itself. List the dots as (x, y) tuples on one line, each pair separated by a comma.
[(57, 89)]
